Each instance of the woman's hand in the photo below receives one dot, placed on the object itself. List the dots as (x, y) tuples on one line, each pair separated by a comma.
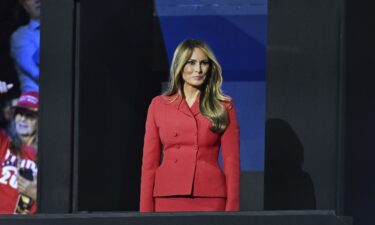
[(27, 187), (4, 87)]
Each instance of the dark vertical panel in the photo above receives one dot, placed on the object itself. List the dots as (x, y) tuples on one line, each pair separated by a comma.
[(116, 86), (75, 161), (360, 111), (56, 107), (304, 85), (341, 188)]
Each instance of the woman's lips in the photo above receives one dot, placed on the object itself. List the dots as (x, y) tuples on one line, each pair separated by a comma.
[(198, 77)]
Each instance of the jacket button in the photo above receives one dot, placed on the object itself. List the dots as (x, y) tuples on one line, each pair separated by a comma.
[(175, 161), (174, 134)]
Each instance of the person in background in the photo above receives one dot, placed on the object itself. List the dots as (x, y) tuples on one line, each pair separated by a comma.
[(25, 43), (18, 158), (185, 129)]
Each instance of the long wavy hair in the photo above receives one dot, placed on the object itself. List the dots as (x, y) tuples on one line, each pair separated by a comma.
[(211, 95)]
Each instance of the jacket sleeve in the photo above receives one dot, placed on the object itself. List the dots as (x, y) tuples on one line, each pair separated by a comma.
[(150, 160), (230, 145)]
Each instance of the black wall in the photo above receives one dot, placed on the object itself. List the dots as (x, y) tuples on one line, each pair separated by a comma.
[(360, 108), (304, 106), (115, 87), (56, 136)]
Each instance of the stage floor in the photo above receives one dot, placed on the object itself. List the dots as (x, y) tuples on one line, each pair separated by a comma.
[(313, 217)]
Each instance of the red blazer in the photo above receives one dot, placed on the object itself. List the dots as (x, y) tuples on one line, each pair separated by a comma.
[(188, 164)]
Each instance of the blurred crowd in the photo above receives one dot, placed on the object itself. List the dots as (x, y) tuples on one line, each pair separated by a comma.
[(19, 102)]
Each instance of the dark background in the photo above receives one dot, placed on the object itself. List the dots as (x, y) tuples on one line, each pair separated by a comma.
[(115, 86), (319, 144), (11, 17), (360, 111), (304, 108)]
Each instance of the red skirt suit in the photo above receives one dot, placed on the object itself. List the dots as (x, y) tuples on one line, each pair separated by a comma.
[(180, 169)]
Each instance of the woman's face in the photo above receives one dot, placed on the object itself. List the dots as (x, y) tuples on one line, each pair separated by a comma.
[(195, 70), (26, 123)]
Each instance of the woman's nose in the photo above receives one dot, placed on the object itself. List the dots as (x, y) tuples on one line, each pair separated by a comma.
[(198, 68)]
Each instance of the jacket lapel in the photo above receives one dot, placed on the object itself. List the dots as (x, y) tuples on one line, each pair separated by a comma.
[(183, 107)]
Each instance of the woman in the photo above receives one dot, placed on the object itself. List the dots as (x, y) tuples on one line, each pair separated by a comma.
[(185, 128), (18, 153)]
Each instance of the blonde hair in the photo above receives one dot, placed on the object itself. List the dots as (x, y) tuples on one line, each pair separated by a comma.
[(211, 94)]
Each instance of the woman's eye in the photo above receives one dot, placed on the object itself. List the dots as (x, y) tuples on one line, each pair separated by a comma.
[(191, 63), (205, 63)]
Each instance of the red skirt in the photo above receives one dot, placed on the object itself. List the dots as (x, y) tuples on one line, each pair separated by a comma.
[(189, 204)]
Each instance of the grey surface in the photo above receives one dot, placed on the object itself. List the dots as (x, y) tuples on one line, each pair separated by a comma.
[(304, 85), (56, 107), (230, 218), (252, 190)]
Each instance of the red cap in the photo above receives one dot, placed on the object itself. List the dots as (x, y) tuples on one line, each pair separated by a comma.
[(29, 100)]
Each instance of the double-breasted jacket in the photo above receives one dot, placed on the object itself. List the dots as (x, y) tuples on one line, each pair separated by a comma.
[(180, 154)]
